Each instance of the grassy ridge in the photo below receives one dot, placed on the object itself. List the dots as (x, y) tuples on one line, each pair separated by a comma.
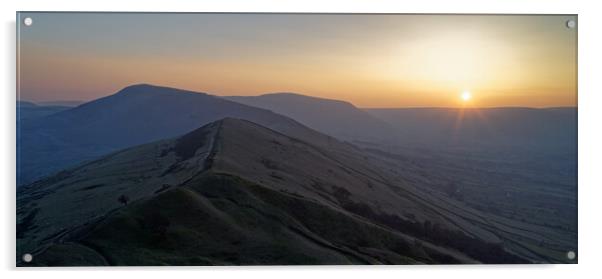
[(222, 219)]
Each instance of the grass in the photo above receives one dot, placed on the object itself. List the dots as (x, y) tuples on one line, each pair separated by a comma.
[(225, 220)]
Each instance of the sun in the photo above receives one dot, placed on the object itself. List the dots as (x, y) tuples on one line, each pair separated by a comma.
[(466, 96)]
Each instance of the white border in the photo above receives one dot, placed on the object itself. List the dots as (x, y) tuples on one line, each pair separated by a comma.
[(590, 137)]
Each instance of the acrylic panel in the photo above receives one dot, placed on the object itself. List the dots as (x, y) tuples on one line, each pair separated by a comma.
[(295, 139)]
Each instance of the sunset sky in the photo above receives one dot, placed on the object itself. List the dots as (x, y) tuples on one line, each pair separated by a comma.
[(369, 60)]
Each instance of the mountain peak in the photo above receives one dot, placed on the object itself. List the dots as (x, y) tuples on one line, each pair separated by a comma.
[(145, 88)]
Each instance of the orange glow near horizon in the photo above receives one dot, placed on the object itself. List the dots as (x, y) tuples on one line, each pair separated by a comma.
[(370, 61)]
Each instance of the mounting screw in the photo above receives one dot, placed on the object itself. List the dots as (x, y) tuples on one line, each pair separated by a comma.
[(571, 24), (27, 258), (570, 255)]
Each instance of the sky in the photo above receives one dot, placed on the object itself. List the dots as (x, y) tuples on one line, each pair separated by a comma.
[(368, 60)]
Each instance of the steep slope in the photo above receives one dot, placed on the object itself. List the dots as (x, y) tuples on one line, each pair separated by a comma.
[(135, 115), (234, 192), (333, 117)]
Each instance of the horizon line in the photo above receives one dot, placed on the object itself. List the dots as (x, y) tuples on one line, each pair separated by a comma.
[(290, 92)]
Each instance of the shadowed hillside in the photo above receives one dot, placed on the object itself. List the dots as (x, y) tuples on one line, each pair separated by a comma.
[(234, 192)]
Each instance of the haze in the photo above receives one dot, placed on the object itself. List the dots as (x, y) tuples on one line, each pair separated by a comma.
[(371, 61)]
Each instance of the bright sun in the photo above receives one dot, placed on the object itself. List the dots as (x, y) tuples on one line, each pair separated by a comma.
[(466, 96)]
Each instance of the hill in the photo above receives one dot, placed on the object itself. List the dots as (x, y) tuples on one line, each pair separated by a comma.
[(136, 114), (333, 117), (235, 192)]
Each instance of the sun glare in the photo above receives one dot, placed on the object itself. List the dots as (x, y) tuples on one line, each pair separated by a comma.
[(466, 96)]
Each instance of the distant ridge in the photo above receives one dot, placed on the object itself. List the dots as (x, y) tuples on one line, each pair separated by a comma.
[(334, 117), (470, 128), (31, 110)]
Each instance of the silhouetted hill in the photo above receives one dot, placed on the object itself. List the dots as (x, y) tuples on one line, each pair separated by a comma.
[(333, 117)]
